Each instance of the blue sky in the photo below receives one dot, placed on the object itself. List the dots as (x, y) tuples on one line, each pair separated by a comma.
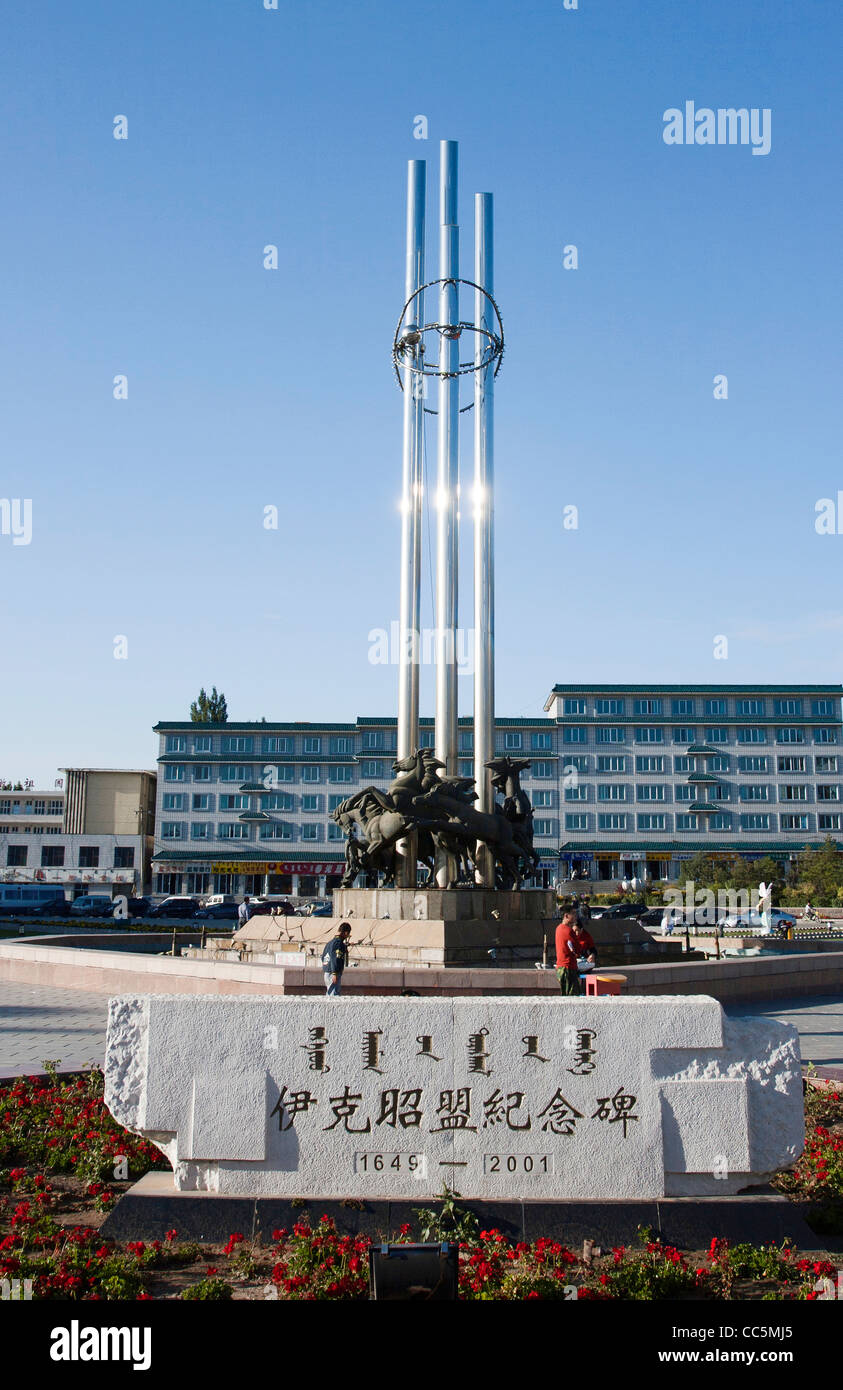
[(250, 387)]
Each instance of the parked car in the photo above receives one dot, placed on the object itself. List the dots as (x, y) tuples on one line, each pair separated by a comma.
[(92, 905), (55, 907), (625, 910), (753, 921), (215, 899), (136, 907), (652, 919), (217, 912), (175, 907)]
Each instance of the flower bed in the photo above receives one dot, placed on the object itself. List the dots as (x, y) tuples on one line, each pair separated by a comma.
[(61, 1154)]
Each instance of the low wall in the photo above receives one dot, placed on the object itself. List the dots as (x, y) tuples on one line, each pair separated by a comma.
[(107, 972)]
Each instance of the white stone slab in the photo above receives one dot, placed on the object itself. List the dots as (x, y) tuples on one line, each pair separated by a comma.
[(390, 1097)]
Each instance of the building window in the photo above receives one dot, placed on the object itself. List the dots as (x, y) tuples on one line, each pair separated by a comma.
[(608, 707), (542, 769), (752, 707), (718, 791), (174, 772), (313, 745), (794, 793), (682, 763), (721, 820), (311, 801), (56, 808), (171, 830), (466, 741), (201, 801), (172, 801), (717, 735), (334, 802), (202, 743), (176, 743), (683, 707), (335, 831), (427, 739), (124, 857), (824, 736), (790, 736), (200, 830), (542, 798), (579, 762), (794, 822), (284, 772), (683, 793), (277, 801), (339, 774), (825, 708), (826, 792), (574, 706), (576, 793), (278, 743), (608, 734), (341, 745), (787, 707), (719, 763), (611, 820), (16, 856), (825, 821), (466, 767), (649, 735), (576, 820), (233, 830), (310, 831), (310, 772), (652, 791), (652, 820), (574, 734), (759, 820), (715, 707), (202, 772), (611, 791), (791, 764), (612, 762), (235, 743), (756, 792), (89, 857), (646, 707), (234, 801), (277, 830), (650, 762), (687, 821), (824, 764), (752, 764), (52, 856), (513, 741), (543, 827), (684, 735), (372, 769), (751, 735), (541, 742), (374, 739)]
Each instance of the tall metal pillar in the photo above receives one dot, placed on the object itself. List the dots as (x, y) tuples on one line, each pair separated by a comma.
[(484, 526), (447, 548), (411, 501)]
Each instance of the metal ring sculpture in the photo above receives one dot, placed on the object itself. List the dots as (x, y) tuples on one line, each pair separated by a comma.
[(406, 339)]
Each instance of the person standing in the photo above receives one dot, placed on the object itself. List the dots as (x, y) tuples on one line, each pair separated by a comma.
[(244, 912), (335, 959), (566, 954)]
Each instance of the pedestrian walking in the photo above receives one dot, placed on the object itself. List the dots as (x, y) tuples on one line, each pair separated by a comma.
[(335, 959)]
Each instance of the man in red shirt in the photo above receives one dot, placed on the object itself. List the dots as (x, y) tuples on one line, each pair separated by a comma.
[(584, 943), (566, 954)]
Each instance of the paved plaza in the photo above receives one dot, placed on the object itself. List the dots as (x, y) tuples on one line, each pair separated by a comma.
[(37, 1022)]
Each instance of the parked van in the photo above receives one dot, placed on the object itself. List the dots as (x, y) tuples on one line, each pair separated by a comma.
[(216, 898)]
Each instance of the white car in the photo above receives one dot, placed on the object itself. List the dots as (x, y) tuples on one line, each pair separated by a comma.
[(754, 923)]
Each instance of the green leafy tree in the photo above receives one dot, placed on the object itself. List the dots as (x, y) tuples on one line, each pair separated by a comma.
[(209, 709), (820, 872)]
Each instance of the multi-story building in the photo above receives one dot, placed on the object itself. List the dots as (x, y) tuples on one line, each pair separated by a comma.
[(653, 774), (92, 831), (624, 780), (245, 808)]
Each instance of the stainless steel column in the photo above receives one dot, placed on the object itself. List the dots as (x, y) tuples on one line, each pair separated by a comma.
[(447, 548), (411, 502), (484, 526)]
